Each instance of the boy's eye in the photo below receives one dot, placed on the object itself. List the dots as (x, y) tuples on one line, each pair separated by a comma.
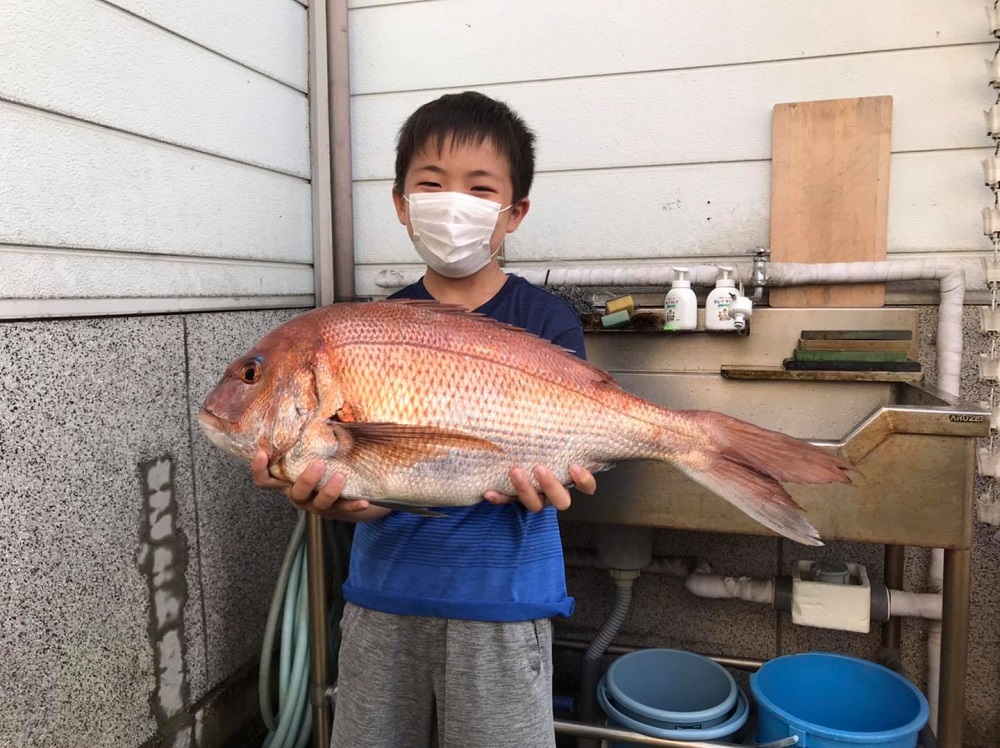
[(428, 184), (483, 188)]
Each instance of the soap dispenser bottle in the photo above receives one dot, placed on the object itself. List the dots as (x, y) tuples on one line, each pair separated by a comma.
[(680, 308), (719, 303)]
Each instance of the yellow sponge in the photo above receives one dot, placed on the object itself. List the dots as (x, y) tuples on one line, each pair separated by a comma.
[(621, 303)]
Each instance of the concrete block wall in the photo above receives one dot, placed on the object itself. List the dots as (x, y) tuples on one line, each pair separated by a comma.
[(137, 561)]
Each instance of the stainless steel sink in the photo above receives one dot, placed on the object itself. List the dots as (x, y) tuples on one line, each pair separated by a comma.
[(914, 448)]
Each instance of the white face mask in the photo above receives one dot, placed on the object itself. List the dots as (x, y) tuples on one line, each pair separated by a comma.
[(452, 230)]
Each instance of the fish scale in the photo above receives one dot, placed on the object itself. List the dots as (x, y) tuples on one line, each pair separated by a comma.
[(429, 405)]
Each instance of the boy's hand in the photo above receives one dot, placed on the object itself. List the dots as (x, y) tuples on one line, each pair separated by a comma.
[(304, 495), (552, 491)]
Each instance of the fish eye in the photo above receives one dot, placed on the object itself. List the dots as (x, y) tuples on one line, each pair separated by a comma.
[(250, 372)]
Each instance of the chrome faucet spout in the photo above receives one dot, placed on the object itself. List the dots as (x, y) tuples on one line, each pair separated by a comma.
[(758, 276)]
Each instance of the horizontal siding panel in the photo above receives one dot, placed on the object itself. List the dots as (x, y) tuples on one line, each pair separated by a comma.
[(452, 43), (92, 61), (352, 4), (266, 35), (64, 183), (37, 308), (695, 210), (35, 273), (710, 114)]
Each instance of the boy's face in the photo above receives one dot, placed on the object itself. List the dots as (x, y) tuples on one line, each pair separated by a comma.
[(473, 169)]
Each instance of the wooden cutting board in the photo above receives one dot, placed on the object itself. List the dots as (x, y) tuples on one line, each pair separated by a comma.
[(830, 193)]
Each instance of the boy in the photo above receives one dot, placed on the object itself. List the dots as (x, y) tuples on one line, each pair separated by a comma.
[(446, 627)]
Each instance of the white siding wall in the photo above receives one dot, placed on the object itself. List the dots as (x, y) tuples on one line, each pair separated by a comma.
[(654, 116), (154, 156)]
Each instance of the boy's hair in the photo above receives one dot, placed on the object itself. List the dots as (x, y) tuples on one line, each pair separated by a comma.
[(469, 118)]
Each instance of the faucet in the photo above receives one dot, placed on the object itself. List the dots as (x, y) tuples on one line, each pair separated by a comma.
[(759, 274)]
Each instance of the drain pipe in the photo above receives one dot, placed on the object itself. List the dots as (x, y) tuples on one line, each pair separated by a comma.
[(333, 263), (624, 551)]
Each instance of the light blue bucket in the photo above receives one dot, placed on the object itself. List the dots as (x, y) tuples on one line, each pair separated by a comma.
[(670, 693), (831, 701)]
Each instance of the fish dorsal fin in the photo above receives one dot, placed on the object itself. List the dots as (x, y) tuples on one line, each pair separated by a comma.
[(601, 377), (373, 447), (455, 310)]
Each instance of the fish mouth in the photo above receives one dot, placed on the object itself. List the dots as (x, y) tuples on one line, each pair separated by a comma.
[(209, 421), (212, 427)]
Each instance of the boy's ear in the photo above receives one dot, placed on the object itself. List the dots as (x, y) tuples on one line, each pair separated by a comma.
[(517, 213), (400, 203)]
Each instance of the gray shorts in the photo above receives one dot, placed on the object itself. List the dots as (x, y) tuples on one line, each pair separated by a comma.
[(414, 682)]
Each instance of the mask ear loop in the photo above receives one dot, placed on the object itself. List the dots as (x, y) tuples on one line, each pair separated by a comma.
[(500, 253)]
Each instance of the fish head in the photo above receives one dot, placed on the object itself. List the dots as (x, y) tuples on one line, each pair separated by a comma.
[(265, 397)]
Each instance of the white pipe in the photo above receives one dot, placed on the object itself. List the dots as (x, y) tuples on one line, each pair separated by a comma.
[(935, 584), (904, 604), (933, 672), (594, 275), (740, 588), (948, 273)]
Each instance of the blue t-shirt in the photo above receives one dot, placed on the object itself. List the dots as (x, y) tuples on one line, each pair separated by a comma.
[(481, 562)]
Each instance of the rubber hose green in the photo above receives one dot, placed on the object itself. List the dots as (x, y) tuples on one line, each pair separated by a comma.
[(267, 647), (297, 685)]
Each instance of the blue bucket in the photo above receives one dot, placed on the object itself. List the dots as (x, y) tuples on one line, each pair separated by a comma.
[(831, 700), (673, 694)]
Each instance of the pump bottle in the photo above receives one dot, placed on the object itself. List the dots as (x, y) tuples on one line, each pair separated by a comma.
[(719, 303), (680, 308)]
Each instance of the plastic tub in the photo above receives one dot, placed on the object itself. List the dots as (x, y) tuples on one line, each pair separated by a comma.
[(671, 693), (672, 687), (622, 717), (831, 701)]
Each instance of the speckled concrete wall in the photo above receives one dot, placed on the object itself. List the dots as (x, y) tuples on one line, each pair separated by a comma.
[(665, 614), (136, 559)]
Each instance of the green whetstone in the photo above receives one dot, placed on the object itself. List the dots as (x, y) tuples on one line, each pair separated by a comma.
[(876, 356), (855, 345), (857, 335), (791, 364)]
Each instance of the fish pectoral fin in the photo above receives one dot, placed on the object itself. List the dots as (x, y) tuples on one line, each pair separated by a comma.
[(377, 446), (400, 506)]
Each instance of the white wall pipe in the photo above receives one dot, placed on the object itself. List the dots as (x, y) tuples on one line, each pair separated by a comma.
[(904, 604), (593, 275), (740, 588), (935, 585), (949, 274)]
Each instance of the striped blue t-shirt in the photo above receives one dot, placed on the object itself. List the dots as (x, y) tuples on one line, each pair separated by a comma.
[(482, 562)]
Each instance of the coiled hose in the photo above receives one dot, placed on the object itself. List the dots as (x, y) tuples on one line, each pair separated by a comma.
[(292, 726)]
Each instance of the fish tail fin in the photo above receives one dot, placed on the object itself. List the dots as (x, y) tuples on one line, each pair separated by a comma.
[(746, 465)]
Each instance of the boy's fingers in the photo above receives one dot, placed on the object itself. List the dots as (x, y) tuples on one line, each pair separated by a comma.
[(525, 491), (555, 492), (261, 477), (495, 497), (305, 485), (330, 492), (583, 480)]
